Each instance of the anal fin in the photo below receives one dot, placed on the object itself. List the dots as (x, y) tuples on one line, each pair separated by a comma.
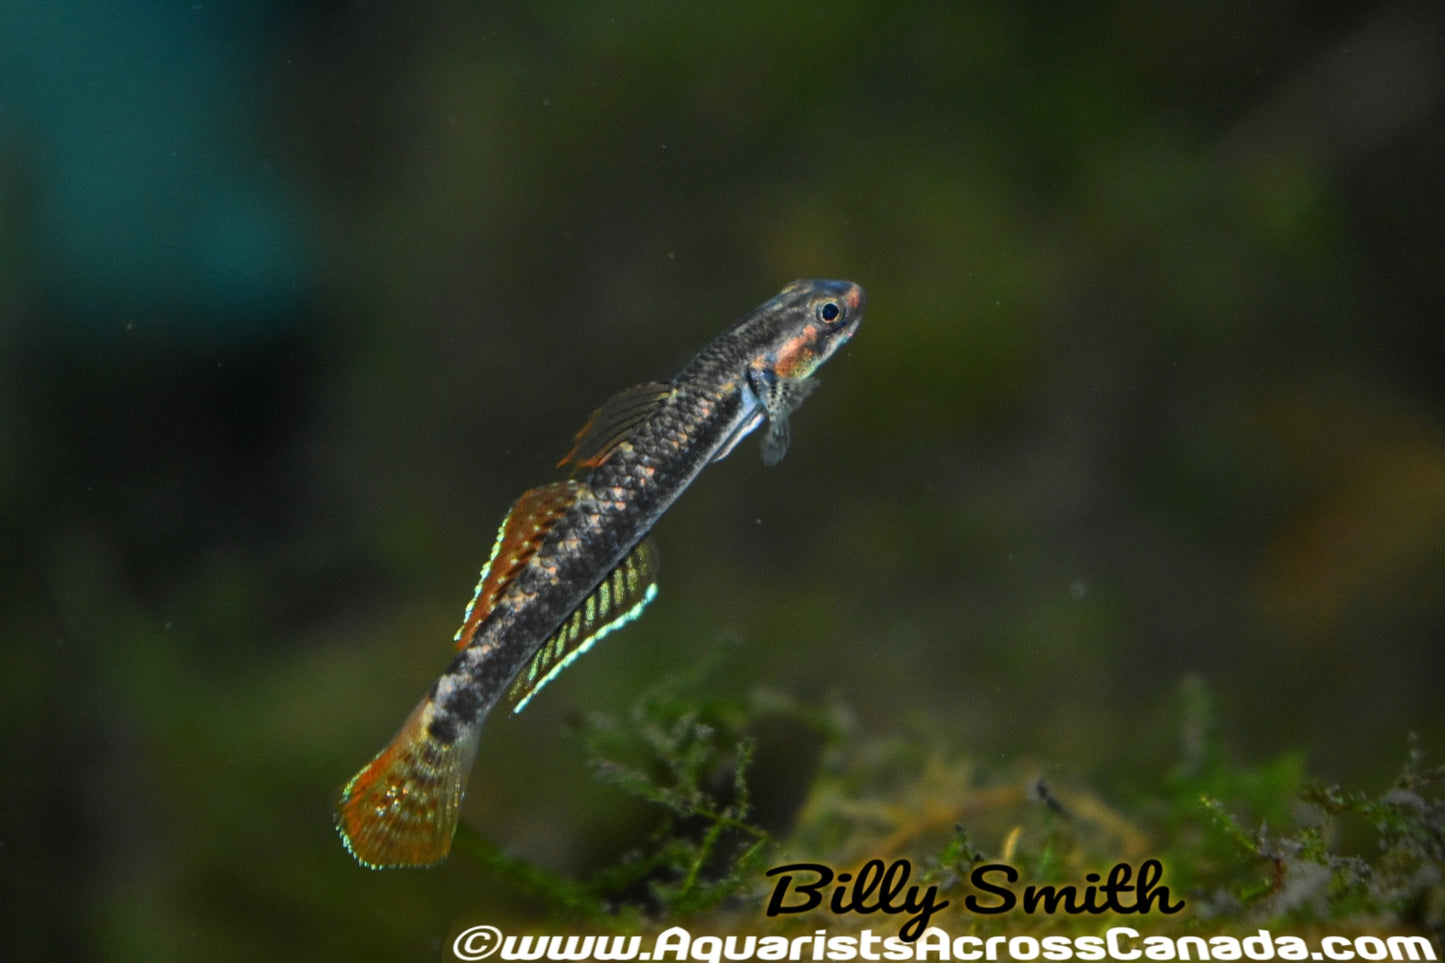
[(617, 600)]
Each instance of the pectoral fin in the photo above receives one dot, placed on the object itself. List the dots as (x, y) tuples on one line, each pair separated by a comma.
[(619, 599), (521, 533), (611, 424), (780, 396), (738, 435)]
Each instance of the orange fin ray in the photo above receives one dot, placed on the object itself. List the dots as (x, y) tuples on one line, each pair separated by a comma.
[(402, 808), (520, 534), (611, 424)]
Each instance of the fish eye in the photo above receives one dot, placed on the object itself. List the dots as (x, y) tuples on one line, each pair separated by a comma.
[(828, 312)]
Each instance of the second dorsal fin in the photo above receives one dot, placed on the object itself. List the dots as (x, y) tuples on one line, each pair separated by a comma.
[(617, 600), (521, 533), (611, 424)]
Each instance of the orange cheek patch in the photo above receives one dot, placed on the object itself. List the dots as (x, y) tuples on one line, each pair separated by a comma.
[(797, 356)]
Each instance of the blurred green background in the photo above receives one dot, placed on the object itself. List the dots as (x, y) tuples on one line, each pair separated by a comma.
[(295, 299)]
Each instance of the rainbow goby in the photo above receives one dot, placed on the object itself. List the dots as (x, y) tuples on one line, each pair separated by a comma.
[(573, 559)]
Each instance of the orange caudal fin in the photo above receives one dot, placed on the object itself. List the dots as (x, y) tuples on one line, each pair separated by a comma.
[(402, 808)]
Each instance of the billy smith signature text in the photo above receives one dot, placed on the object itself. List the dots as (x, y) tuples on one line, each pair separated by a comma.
[(880, 888)]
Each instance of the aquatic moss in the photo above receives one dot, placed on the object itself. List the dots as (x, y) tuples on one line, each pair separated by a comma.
[(1244, 846)]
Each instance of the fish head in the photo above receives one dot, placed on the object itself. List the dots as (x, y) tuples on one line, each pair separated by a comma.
[(811, 320)]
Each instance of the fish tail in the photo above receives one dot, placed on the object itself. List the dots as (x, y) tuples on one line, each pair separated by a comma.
[(401, 809)]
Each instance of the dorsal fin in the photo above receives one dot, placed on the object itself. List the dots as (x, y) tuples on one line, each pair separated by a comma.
[(521, 533), (617, 600), (610, 425)]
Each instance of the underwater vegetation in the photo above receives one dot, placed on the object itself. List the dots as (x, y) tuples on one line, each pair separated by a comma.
[(1244, 847), (296, 298)]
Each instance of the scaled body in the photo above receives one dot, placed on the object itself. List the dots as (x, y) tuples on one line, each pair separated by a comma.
[(572, 560)]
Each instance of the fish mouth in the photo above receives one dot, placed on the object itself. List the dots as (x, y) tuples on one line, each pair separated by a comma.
[(852, 295)]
